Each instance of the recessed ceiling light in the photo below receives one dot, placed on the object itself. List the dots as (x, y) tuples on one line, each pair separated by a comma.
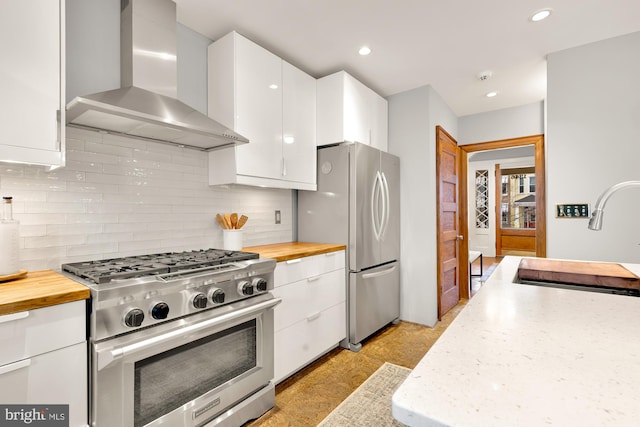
[(491, 94), (273, 86), (540, 15), (364, 50)]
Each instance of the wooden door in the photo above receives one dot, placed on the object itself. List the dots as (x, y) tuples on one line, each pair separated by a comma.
[(511, 241), (541, 223), (447, 166)]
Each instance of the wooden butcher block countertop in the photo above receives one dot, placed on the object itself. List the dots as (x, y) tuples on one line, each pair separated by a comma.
[(578, 272), (39, 289), (292, 250)]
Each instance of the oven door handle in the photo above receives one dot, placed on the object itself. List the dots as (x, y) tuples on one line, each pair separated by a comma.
[(108, 357)]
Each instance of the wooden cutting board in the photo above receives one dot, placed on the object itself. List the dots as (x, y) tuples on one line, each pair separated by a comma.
[(582, 273)]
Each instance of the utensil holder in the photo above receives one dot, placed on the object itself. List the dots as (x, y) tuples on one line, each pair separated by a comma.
[(232, 240)]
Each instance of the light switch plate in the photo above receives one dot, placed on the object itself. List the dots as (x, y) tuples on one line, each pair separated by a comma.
[(572, 210)]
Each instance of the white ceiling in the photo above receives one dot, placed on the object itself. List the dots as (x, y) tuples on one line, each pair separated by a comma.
[(443, 43)]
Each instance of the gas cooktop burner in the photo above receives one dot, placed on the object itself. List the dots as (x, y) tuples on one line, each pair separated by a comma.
[(103, 271)]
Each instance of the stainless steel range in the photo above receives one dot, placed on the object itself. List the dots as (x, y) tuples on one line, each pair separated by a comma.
[(180, 339)]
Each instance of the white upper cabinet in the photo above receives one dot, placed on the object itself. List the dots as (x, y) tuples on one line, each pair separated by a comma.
[(32, 82), (271, 103), (299, 127), (350, 111)]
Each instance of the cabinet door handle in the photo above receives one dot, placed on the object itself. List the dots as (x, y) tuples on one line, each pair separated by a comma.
[(330, 254), (294, 261), (313, 279), (313, 317), (14, 316), (18, 365)]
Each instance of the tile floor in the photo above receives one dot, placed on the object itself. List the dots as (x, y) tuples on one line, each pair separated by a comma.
[(308, 396)]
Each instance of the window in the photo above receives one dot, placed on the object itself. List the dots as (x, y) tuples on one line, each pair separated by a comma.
[(518, 201), (482, 199)]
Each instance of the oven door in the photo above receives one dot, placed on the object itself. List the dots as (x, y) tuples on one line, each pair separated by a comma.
[(185, 372)]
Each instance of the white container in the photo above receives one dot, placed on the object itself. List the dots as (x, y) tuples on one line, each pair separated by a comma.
[(9, 240), (232, 240)]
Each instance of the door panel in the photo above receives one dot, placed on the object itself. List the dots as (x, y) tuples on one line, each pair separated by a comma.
[(323, 215), (390, 248), (374, 300), (448, 221), (511, 241), (364, 247)]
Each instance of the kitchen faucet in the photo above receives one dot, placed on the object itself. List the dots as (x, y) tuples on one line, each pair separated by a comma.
[(595, 222)]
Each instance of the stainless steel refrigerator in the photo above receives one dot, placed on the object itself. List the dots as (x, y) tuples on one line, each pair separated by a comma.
[(358, 204)]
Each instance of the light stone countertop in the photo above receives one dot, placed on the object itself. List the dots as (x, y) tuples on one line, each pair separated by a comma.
[(523, 355)]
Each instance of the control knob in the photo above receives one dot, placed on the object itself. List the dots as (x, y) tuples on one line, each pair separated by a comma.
[(134, 318), (160, 311), (217, 296), (245, 288), (260, 284), (200, 300)]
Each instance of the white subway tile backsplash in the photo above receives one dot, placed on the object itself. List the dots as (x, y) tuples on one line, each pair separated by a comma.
[(42, 218), (120, 196), (30, 184), (91, 251), (49, 241), (111, 148)]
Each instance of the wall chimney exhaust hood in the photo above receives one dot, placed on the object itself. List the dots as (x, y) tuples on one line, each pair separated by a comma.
[(146, 106)]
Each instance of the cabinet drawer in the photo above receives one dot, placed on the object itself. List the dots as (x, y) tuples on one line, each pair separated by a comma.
[(307, 297), (305, 341), (56, 377), (29, 333), (301, 268)]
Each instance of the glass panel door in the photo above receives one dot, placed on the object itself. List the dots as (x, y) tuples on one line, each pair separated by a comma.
[(166, 381)]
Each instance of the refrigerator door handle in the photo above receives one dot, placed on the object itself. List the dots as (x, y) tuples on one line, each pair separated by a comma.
[(385, 205), (376, 219), (379, 273)]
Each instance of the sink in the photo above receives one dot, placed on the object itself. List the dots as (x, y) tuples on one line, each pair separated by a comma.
[(587, 276)]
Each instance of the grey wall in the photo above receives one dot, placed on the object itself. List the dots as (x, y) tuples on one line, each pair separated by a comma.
[(593, 107), (93, 53), (192, 67), (413, 116), (502, 124), (92, 46)]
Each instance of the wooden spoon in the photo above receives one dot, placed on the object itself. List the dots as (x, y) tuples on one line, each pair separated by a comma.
[(227, 220), (242, 221), (234, 220), (220, 221)]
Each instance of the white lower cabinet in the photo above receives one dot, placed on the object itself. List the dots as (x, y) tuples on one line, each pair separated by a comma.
[(311, 319), (44, 359)]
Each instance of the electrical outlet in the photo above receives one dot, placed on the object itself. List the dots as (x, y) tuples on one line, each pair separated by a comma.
[(573, 210), (278, 217)]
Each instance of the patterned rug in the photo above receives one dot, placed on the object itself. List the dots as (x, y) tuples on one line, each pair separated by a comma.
[(370, 404)]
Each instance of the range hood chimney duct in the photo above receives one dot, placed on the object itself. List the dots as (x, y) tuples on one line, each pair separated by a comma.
[(146, 106)]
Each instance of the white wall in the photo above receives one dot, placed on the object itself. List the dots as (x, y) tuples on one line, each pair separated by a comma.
[(413, 116), (119, 196), (593, 141)]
